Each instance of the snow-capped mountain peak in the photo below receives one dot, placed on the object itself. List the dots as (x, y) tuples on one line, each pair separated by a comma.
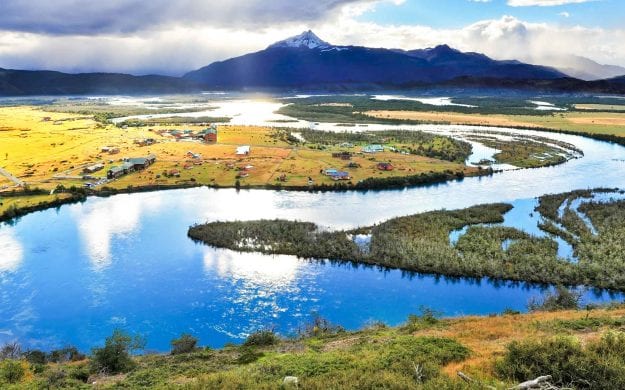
[(307, 39)]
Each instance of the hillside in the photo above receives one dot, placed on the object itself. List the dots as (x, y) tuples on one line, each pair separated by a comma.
[(498, 351), (26, 82)]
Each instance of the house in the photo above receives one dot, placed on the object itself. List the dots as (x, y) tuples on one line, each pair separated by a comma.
[(93, 168), (139, 163), (337, 175), (340, 175), (208, 135), (375, 148), (243, 150), (342, 155), (346, 145), (172, 173), (114, 172), (145, 141), (385, 166)]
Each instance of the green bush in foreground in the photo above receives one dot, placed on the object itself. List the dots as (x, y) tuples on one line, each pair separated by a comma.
[(11, 371), (599, 365)]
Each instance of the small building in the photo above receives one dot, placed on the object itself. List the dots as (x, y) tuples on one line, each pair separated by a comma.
[(340, 175), (110, 149), (375, 148), (115, 172), (172, 173), (93, 168), (346, 145), (243, 150), (140, 163), (208, 135), (385, 166), (336, 174), (342, 155), (145, 141)]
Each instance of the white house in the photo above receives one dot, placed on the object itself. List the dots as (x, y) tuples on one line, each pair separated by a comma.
[(243, 150)]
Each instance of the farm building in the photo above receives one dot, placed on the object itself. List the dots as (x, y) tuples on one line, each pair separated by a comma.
[(93, 168), (373, 148), (385, 166), (115, 172), (337, 175), (139, 163), (208, 135), (243, 150), (342, 155)]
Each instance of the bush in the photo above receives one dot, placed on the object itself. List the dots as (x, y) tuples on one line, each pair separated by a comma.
[(261, 338), (427, 319), (185, 344), (11, 351), (11, 371), (601, 365), (114, 357), (67, 354)]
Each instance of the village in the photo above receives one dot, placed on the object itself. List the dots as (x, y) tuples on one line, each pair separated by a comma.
[(76, 151)]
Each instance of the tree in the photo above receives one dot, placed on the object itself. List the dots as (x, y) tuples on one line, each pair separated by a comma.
[(184, 344), (114, 357)]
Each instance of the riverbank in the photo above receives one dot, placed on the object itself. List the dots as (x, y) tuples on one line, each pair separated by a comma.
[(15, 204), (426, 352), (421, 243)]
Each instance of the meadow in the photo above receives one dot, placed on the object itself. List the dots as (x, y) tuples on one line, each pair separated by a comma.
[(47, 148)]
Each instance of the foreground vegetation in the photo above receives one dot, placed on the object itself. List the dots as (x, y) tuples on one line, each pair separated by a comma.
[(580, 349), (421, 243)]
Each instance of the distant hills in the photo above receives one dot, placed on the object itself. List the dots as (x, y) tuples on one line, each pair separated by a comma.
[(306, 62), (26, 82)]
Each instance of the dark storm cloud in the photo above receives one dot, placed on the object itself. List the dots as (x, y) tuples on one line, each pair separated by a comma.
[(86, 17)]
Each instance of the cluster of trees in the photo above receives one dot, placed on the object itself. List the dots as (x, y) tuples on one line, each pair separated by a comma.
[(421, 243), (413, 142)]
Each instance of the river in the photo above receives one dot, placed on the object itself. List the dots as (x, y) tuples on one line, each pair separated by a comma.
[(72, 275)]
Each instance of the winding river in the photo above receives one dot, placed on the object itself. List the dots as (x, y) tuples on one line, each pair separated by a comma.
[(72, 275)]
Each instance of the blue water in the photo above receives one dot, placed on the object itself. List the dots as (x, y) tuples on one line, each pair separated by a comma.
[(72, 275)]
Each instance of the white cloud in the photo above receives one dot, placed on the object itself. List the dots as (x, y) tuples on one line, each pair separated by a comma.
[(564, 14), (176, 49), (544, 3)]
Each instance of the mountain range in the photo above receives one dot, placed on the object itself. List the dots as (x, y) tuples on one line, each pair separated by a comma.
[(306, 62)]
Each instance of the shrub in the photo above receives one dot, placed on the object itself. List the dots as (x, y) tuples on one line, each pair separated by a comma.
[(67, 354), (114, 357), (601, 365), (185, 344), (261, 338), (11, 351), (427, 319), (11, 371)]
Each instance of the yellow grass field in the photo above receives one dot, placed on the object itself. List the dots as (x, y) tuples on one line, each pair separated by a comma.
[(487, 337), (45, 149), (591, 122)]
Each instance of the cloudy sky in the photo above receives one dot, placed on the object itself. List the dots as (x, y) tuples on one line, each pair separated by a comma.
[(173, 37)]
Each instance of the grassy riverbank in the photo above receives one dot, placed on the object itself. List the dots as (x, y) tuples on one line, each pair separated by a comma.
[(425, 353), (421, 243)]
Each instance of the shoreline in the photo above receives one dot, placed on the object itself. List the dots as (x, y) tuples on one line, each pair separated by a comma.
[(372, 184)]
